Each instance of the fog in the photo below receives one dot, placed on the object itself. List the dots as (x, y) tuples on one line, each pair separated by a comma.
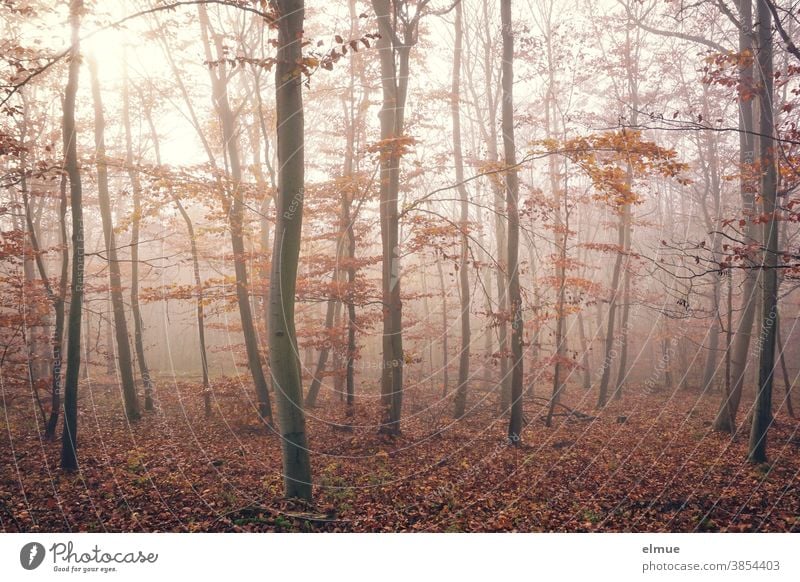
[(570, 225)]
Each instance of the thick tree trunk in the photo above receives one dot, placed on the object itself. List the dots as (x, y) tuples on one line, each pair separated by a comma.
[(115, 277), (463, 265), (69, 439), (726, 416), (512, 210), (762, 413), (284, 362)]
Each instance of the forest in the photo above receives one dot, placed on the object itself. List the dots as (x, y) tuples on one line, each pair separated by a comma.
[(399, 265)]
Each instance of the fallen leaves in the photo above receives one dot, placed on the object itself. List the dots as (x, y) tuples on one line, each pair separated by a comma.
[(661, 470)]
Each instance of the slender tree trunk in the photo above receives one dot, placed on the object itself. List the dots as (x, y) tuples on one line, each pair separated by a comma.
[(345, 228), (236, 217), (762, 413), (198, 284), (463, 265), (136, 187), (587, 375), (610, 344), (115, 277), (200, 309), (394, 85), (330, 311), (57, 300), (59, 305), (284, 362), (786, 381), (560, 231), (351, 315), (69, 439), (445, 326), (512, 209)]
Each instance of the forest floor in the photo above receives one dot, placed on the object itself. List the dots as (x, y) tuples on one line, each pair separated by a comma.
[(660, 468)]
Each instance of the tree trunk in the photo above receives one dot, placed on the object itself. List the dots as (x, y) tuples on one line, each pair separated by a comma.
[(59, 305), (587, 375), (284, 362), (786, 381), (445, 348), (236, 218), (136, 187), (560, 232), (57, 300), (69, 439), (394, 85), (610, 351), (726, 416), (762, 413), (198, 284), (512, 210), (463, 266), (330, 311), (115, 277)]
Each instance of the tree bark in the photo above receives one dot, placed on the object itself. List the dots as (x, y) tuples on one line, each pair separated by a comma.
[(284, 362), (445, 348), (394, 85), (512, 210), (762, 412), (60, 314), (726, 416), (463, 264), (69, 439)]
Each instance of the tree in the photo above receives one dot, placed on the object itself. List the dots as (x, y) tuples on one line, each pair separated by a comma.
[(235, 209), (726, 416), (284, 362), (69, 439), (463, 263), (198, 284), (57, 299), (762, 412), (394, 55), (512, 210), (115, 278), (136, 188)]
